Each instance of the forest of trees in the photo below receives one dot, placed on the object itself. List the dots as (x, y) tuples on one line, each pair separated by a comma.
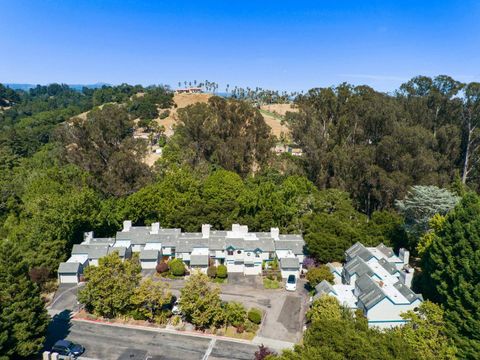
[(365, 153)]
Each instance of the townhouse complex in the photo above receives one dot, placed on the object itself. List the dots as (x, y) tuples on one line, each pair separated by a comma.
[(376, 281), (240, 250)]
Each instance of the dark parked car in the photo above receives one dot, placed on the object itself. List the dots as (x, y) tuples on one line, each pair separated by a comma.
[(68, 348)]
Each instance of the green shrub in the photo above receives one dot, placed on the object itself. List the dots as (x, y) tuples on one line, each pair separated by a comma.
[(137, 315), (177, 267), (222, 271), (212, 271), (255, 316), (316, 275)]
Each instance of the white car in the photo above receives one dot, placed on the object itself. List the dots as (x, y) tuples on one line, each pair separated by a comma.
[(291, 284), (176, 309)]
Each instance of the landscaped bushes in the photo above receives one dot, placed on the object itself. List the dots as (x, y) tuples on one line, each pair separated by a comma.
[(162, 268), (316, 275), (177, 267), (221, 271), (212, 271), (255, 316)]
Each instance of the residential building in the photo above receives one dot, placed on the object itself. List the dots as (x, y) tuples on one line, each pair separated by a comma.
[(376, 281), (240, 250)]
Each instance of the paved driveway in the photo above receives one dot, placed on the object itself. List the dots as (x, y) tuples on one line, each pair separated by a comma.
[(65, 299)]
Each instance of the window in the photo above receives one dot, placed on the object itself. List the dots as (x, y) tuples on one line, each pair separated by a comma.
[(239, 251), (249, 254), (230, 252), (257, 255)]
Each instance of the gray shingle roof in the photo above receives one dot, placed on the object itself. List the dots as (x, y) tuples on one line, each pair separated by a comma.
[(97, 251), (289, 263), (80, 249), (216, 243), (357, 266), (407, 293), (188, 244), (92, 250), (100, 241), (69, 268), (371, 294), (358, 250), (235, 243), (198, 260), (324, 288), (391, 268), (149, 255), (121, 250), (388, 252), (296, 246)]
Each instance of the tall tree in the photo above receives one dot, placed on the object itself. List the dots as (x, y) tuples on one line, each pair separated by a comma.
[(110, 286), (23, 317), (227, 133), (451, 274), (471, 123), (200, 302), (102, 144)]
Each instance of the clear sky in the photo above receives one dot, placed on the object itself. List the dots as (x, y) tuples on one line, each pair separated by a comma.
[(285, 45)]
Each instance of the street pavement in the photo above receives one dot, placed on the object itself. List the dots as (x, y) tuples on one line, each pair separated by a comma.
[(115, 343)]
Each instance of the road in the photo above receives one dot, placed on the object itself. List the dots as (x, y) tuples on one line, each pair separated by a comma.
[(116, 343)]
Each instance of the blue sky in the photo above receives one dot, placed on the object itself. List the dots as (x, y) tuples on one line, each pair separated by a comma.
[(285, 45)]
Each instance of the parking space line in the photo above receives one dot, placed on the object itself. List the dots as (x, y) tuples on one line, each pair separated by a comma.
[(209, 350)]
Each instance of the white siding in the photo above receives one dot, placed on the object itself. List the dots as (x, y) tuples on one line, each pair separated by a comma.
[(385, 314), (287, 272), (69, 279), (149, 264), (235, 267)]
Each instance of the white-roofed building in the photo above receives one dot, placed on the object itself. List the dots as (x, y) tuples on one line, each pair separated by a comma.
[(376, 281)]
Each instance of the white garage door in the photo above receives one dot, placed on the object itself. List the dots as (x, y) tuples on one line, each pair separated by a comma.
[(287, 272), (69, 279), (148, 264), (235, 267)]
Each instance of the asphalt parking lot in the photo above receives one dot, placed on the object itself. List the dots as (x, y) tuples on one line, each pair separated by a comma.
[(117, 343)]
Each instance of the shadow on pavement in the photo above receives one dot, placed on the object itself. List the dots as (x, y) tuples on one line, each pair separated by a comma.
[(58, 329)]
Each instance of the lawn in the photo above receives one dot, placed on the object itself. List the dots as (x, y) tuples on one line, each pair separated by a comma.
[(271, 284)]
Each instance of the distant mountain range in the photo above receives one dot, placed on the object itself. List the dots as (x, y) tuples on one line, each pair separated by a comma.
[(79, 87)]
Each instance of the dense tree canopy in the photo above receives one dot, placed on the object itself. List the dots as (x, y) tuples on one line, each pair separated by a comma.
[(228, 133), (451, 273), (102, 145), (23, 317)]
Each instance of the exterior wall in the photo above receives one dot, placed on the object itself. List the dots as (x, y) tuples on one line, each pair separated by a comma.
[(93, 262), (167, 250), (69, 278), (220, 254), (235, 267), (287, 272), (125, 243), (148, 264), (385, 314), (137, 248), (253, 269)]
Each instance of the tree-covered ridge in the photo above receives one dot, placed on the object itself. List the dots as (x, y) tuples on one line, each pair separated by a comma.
[(375, 145)]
